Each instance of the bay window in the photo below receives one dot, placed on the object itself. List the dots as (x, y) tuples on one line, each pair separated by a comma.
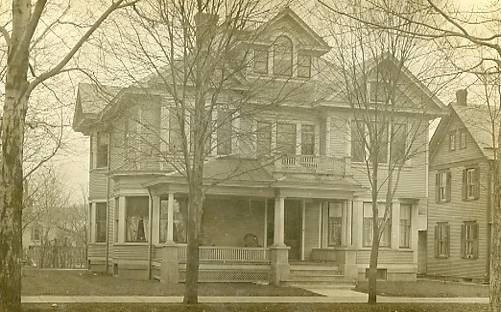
[(100, 222)]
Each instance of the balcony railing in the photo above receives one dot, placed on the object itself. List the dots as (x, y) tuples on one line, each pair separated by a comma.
[(228, 254), (312, 163)]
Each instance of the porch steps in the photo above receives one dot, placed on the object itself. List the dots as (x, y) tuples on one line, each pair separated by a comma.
[(322, 275)]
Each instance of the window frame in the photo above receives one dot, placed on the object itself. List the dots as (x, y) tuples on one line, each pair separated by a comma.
[(463, 135), (452, 140), (178, 219), (100, 227), (145, 226), (471, 183), (102, 150), (282, 146), (310, 132), (442, 240), (469, 239), (367, 238), (264, 133), (265, 61), (301, 65), (443, 186), (224, 131), (281, 55), (405, 227), (334, 224)]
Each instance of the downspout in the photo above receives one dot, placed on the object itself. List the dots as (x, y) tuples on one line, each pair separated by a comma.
[(150, 235), (490, 205), (108, 207)]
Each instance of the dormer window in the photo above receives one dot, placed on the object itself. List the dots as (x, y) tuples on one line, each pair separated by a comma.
[(260, 65), (303, 65), (376, 92), (282, 57)]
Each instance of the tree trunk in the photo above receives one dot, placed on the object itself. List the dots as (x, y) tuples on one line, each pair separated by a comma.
[(495, 265), (195, 202), (373, 259)]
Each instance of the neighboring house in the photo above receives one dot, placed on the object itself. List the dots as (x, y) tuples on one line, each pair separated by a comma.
[(461, 201), (311, 205)]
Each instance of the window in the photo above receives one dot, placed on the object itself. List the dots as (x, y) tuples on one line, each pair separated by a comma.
[(115, 228), (380, 146), (462, 138), (376, 92), (282, 56), (469, 240), (224, 132), (443, 187), (100, 222), (179, 231), (471, 183), (102, 150), (384, 225), (335, 223), (357, 141), (452, 141), (175, 134), (263, 146), (405, 225), (36, 232), (286, 138), (307, 140), (442, 240), (260, 60), (398, 142), (303, 65), (136, 219)]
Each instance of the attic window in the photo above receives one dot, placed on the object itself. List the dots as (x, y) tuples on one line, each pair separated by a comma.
[(282, 57), (376, 92), (260, 61), (462, 139), (304, 66)]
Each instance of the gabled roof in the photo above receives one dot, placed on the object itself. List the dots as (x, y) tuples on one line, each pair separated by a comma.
[(288, 12), (476, 119)]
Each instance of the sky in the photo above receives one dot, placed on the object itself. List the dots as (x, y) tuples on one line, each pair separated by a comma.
[(73, 162)]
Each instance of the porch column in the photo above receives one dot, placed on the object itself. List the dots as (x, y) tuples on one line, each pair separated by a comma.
[(170, 217), (279, 252), (358, 224), (349, 230), (169, 270), (279, 224), (395, 224), (344, 224), (121, 220), (155, 219)]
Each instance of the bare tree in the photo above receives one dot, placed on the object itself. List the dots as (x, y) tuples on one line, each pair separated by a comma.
[(21, 34), (387, 128)]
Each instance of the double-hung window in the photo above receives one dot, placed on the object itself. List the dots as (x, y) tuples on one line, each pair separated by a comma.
[(263, 146), (137, 219), (471, 183), (335, 223), (303, 65), (384, 224), (224, 131), (260, 65), (469, 240), (405, 225), (286, 138), (102, 150), (358, 141), (462, 138), (442, 240), (443, 186), (452, 140), (101, 222), (307, 139), (282, 57)]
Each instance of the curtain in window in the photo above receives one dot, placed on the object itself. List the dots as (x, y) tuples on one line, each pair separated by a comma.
[(335, 224), (368, 225), (137, 219)]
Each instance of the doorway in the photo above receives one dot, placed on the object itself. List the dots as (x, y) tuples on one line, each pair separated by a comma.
[(293, 223)]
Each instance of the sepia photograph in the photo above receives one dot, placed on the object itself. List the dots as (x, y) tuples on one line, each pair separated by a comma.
[(250, 155)]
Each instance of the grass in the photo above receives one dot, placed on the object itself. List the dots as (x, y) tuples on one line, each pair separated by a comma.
[(319, 307), (427, 288), (83, 283)]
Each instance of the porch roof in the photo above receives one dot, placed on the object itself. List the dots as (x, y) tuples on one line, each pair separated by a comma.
[(230, 175)]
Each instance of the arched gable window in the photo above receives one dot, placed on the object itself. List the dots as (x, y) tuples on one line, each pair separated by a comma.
[(282, 56)]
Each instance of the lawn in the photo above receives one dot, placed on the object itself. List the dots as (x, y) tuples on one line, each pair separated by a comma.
[(319, 307), (83, 283), (428, 288)]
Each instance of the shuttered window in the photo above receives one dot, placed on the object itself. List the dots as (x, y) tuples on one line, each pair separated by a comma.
[(442, 240), (443, 186), (469, 240), (471, 183)]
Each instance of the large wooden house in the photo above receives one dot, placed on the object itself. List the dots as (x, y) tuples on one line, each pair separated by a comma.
[(461, 201), (303, 216)]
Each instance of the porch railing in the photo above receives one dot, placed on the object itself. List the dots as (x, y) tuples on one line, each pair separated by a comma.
[(228, 254), (312, 163)]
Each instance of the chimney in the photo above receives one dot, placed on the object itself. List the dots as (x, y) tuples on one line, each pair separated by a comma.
[(461, 96), (205, 27)]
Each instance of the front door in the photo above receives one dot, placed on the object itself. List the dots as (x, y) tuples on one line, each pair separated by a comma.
[(292, 229)]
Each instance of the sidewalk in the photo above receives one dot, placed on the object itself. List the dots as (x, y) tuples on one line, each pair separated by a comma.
[(332, 296)]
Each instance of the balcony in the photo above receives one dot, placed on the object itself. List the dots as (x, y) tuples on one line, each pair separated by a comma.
[(313, 164)]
